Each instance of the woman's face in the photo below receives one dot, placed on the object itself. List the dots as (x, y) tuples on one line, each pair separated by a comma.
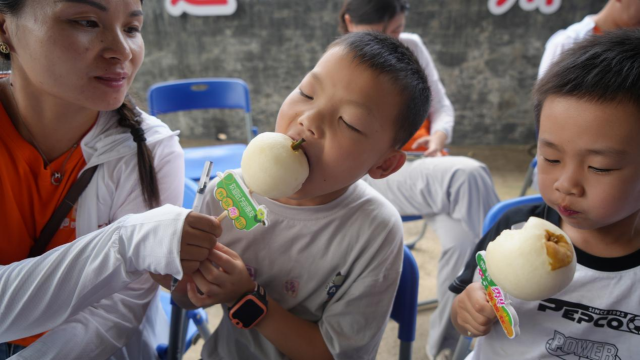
[(392, 28), (82, 52)]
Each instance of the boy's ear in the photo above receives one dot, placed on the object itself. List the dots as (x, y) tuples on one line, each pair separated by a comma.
[(391, 163), (348, 22)]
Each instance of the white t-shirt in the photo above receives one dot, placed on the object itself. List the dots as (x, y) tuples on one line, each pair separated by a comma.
[(564, 39), (596, 317), (337, 265), (441, 113)]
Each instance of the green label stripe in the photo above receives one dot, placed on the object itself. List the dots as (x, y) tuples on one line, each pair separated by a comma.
[(234, 197), (497, 298)]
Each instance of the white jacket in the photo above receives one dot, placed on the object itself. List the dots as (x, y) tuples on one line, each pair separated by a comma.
[(441, 112), (564, 39), (102, 329)]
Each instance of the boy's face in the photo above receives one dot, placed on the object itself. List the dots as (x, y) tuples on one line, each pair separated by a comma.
[(347, 115), (588, 163)]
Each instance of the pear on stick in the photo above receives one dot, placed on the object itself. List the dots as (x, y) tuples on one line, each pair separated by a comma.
[(274, 166), (532, 263)]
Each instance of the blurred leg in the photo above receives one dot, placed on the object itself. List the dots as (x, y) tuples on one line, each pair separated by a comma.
[(455, 193)]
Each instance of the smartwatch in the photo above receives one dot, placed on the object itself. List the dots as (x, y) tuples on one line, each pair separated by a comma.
[(249, 309)]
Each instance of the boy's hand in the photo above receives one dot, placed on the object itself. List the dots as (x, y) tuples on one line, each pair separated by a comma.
[(222, 284), (472, 315), (199, 236)]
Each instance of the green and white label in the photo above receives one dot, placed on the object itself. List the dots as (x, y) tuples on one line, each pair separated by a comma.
[(235, 198)]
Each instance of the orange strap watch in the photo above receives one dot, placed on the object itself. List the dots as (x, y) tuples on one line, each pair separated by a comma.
[(247, 311)]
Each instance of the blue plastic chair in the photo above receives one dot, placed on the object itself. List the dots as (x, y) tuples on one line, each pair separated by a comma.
[(406, 218), (190, 190), (200, 94), (496, 212), (405, 304)]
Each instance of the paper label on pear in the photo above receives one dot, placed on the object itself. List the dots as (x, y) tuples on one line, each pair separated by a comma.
[(498, 299), (235, 199)]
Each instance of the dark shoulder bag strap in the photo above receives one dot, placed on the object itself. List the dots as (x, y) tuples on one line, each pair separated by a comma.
[(61, 212)]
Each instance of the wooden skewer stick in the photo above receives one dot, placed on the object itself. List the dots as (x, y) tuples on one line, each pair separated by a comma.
[(223, 215)]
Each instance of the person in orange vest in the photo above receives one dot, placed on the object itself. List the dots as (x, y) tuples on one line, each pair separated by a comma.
[(66, 120), (453, 192)]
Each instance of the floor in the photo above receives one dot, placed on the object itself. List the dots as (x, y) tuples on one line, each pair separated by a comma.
[(508, 165)]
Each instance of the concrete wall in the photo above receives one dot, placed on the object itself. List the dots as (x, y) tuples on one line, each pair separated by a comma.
[(487, 63)]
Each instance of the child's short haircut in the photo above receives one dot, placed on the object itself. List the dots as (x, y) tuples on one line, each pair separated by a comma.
[(394, 61), (602, 68)]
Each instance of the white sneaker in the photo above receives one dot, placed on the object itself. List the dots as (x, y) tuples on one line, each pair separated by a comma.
[(445, 354)]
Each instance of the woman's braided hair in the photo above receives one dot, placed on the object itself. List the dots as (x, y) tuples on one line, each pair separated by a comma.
[(130, 119)]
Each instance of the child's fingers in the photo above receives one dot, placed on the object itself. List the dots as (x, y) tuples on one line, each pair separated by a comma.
[(197, 299), (225, 250), (481, 305), (212, 274), (209, 289)]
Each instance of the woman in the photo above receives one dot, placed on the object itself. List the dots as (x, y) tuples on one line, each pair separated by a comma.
[(65, 111), (454, 192)]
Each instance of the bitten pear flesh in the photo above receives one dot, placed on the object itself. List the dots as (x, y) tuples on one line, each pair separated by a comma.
[(532, 263)]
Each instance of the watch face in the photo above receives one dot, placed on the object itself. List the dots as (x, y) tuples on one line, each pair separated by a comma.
[(248, 313)]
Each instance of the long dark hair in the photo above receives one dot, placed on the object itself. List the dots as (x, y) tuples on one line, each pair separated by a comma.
[(129, 119), (367, 12)]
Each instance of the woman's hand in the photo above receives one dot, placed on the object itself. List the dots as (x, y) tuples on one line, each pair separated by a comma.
[(224, 281), (471, 314), (199, 236), (434, 144)]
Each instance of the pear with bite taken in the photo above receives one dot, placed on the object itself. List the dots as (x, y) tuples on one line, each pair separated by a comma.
[(532, 263)]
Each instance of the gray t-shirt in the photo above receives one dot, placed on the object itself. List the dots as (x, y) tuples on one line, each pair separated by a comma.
[(337, 265)]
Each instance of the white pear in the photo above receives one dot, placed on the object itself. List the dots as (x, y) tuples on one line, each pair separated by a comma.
[(273, 167), (532, 263)]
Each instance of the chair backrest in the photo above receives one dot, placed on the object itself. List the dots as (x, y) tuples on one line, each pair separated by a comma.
[(200, 94), (500, 208), (405, 304), (190, 190)]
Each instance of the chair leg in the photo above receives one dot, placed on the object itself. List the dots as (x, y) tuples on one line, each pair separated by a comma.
[(528, 180), (405, 350), (463, 348), (411, 244), (427, 304), (177, 333)]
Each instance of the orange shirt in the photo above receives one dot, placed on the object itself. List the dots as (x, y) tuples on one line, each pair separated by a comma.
[(28, 198), (423, 131)]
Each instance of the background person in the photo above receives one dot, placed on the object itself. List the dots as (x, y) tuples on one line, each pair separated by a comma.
[(65, 110)]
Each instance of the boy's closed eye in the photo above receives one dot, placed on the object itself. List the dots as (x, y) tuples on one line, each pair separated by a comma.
[(592, 168), (304, 95), (341, 119), (351, 127)]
